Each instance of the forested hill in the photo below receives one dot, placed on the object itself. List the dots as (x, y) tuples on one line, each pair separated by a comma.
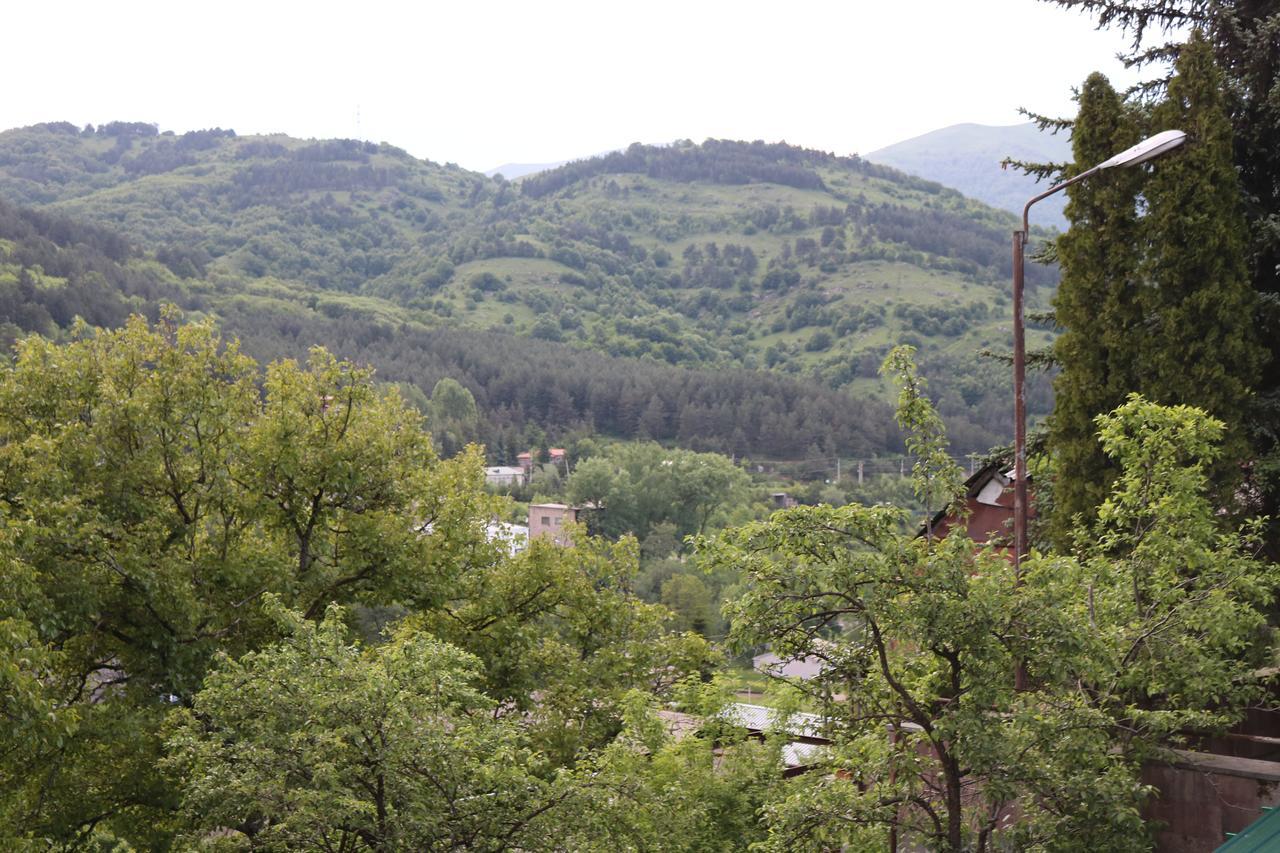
[(724, 254), (53, 269)]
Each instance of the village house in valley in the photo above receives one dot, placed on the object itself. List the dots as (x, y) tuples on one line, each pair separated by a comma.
[(550, 520)]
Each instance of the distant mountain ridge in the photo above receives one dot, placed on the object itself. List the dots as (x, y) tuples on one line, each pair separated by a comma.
[(515, 171), (967, 157), (964, 157)]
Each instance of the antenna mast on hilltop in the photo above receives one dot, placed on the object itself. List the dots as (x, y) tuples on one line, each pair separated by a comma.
[(358, 136)]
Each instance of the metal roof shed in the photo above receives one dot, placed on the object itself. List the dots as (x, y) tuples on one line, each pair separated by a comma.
[(1261, 836)]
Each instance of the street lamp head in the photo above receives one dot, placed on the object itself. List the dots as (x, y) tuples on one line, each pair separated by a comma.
[(1152, 146)]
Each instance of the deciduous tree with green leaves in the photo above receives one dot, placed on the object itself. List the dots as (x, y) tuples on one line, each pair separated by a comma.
[(700, 790), (452, 416), (156, 485), (315, 743), (1150, 630), (934, 475), (639, 485), (563, 639)]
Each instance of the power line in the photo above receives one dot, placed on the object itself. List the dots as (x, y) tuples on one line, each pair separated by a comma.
[(854, 467)]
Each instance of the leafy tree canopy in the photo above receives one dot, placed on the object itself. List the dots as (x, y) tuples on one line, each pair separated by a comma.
[(1148, 631), (639, 485), (317, 743), (157, 487)]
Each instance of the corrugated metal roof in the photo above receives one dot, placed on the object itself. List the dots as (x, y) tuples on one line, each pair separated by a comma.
[(1261, 836), (797, 754), (759, 718), (805, 668)]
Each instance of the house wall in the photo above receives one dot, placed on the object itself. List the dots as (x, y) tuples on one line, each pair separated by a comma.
[(988, 503), (548, 521), (804, 668), (986, 522), (1202, 797)]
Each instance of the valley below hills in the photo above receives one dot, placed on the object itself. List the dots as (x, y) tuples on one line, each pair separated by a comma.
[(726, 296)]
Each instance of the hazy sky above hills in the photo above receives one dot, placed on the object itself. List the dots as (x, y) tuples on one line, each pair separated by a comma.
[(485, 83)]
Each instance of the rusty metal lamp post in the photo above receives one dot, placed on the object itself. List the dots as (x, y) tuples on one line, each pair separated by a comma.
[(1145, 150)]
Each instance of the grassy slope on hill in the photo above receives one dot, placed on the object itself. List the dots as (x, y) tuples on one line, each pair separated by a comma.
[(53, 269)]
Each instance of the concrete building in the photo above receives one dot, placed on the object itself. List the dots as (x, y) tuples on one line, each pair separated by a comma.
[(514, 536), (549, 521), (783, 500)]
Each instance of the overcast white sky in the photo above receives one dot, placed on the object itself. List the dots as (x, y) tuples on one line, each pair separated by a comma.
[(484, 83)]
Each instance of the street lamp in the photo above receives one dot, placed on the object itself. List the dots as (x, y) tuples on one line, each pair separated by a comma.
[(1145, 150)]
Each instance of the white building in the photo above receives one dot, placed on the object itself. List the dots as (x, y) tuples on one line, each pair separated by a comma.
[(504, 476)]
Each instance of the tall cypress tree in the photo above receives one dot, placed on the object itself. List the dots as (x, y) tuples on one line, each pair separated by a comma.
[(1155, 294), (1096, 304), (1243, 35), (1196, 297)]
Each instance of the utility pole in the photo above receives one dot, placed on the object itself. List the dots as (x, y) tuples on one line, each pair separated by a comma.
[(1140, 153)]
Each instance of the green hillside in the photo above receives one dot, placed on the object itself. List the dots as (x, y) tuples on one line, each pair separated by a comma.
[(54, 269), (718, 255)]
